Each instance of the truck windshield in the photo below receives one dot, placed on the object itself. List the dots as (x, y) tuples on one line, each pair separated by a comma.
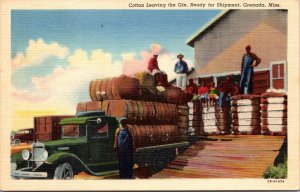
[(73, 130)]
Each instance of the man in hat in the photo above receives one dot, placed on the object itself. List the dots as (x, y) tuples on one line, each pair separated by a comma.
[(247, 69), (181, 69), (124, 146), (160, 77)]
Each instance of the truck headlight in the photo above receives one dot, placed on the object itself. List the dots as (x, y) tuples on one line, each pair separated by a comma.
[(44, 155), (25, 154)]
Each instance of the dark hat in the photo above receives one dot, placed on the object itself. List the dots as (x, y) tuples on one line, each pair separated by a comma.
[(122, 119), (248, 47)]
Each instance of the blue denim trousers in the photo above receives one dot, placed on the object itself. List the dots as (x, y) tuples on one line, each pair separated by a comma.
[(246, 78), (224, 100)]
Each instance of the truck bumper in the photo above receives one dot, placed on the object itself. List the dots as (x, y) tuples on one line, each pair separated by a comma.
[(25, 173)]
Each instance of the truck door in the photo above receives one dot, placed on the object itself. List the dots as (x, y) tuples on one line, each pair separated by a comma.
[(101, 148)]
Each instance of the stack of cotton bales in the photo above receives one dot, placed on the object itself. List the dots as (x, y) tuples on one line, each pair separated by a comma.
[(195, 118), (246, 114), (274, 113), (216, 121), (183, 121)]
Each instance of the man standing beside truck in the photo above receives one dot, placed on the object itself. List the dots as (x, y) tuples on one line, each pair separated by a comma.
[(124, 146)]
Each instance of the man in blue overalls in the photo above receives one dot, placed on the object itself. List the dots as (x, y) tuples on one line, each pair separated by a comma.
[(124, 145), (247, 70)]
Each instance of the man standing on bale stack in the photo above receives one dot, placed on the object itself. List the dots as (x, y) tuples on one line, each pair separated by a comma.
[(181, 69), (247, 70)]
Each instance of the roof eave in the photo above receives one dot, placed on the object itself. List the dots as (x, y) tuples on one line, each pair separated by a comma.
[(203, 29)]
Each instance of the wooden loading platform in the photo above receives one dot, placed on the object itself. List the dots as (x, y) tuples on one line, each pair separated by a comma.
[(242, 156)]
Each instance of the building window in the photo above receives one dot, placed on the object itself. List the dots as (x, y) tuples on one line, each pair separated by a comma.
[(279, 77)]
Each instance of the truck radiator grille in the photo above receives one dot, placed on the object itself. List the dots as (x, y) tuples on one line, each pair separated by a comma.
[(36, 156)]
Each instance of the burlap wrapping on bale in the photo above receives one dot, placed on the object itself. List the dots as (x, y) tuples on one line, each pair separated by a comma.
[(246, 115), (274, 130), (238, 97), (273, 107), (216, 109), (146, 79), (274, 121), (148, 90), (274, 114), (141, 111), (245, 102), (272, 94), (249, 108), (273, 100), (219, 115), (122, 87), (183, 107), (183, 118), (209, 122), (246, 122), (89, 106), (216, 129), (247, 130), (183, 124), (183, 112), (210, 130), (149, 135)]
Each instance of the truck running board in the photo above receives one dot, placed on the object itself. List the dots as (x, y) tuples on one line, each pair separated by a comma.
[(107, 173)]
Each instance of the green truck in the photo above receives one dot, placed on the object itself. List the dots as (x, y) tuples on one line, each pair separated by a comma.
[(86, 146)]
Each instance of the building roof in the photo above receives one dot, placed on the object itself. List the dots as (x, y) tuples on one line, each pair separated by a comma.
[(207, 26)]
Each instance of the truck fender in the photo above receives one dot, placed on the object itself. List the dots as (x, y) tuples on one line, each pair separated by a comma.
[(62, 157), (75, 161)]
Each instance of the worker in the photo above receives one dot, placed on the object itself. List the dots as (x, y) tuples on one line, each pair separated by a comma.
[(226, 89), (213, 94), (247, 66), (203, 94), (191, 90), (181, 69), (161, 78), (125, 149)]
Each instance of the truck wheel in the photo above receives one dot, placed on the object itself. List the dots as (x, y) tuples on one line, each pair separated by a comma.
[(64, 171), (17, 141)]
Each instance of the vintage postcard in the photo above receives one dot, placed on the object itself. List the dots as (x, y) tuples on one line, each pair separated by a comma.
[(149, 95)]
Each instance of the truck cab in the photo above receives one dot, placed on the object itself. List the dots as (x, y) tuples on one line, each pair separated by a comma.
[(86, 145)]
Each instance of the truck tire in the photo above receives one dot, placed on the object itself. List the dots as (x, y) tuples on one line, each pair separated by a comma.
[(64, 171), (17, 141)]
